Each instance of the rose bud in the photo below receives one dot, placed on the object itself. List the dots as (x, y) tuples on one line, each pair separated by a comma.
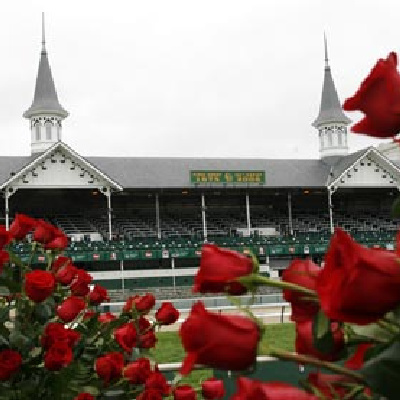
[(138, 371), (80, 283), (357, 284), (69, 309), (147, 340), (84, 396), (109, 367), (379, 99), (219, 269), (56, 332), (157, 381), (184, 392), (212, 389), (21, 226), (60, 262), (59, 355), (303, 273), (59, 242), (218, 341), (305, 341), (106, 317), (5, 236), (44, 232), (150, 394), (98, 295), (167, 314), (10, 362), (142, 304), (356, 361), (249, 389), (39, 285), (89, 314), (125, 336), (66, 274)]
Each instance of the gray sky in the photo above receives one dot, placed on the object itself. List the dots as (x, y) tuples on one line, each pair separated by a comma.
[(212, 78)]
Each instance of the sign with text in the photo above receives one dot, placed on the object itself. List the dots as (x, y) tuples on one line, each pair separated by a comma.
[(227, 177)]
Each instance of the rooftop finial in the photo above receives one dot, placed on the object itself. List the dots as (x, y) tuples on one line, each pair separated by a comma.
[(326, 52), (43, 35)]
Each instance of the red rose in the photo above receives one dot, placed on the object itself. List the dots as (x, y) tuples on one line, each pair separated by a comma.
[(21, 226), (305, 341), (184, 392), (212, 389), (144, 325), (106, 317), (80, 283), (5, 236), (219, 269), (248, 389), (84, 396), (125, 336), (70, 308), (60, 262), (10, 362), (219, 341), (88, 314), (59, 355), (39, 285), (138, 371), (109, 367), (66, 274), (303, 273), (150, 394), (142, 304), (44, 232), (357, 284), (4, 258), (157, 381), (356, 361), (56, 332), (147, 340), (379, 99), (167, 314), (58, 242), (98, 295)]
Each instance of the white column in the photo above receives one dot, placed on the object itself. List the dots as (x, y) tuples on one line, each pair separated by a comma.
[(173, 272), (330, 192), (7, 210), (158, 227), (248, 213), (121, 264), (108, 195), (203, 215), (289, 201)]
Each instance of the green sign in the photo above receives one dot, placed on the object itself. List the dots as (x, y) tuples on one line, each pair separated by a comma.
[(243, 177)]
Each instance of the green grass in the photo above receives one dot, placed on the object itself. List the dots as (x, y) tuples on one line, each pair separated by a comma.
[(169, 348)]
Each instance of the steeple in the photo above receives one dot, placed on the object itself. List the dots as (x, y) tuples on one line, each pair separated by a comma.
[(331, 121), (45, 113)]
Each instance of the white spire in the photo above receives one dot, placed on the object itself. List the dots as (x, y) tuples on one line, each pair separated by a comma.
[(43, 35)]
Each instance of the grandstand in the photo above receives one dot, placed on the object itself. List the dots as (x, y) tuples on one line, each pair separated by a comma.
[(138, 223)]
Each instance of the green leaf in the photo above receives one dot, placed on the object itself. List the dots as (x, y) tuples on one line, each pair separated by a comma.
[(382, 372), (322, 333), (43, 312), (14, 259)]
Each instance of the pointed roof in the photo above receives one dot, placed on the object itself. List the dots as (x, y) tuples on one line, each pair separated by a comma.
[(330, 109), (45, 99)]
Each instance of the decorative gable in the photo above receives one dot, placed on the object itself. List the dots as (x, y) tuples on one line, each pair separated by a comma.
[(60, 167), (371, 170)]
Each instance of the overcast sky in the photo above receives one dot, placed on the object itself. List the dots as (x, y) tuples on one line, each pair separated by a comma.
[(204, 78)]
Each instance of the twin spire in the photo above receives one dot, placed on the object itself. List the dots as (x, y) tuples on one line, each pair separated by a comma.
[(330, 110), (45, 100)]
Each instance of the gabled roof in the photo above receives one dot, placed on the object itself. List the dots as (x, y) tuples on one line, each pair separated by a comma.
[(45, 99), (13, 168)]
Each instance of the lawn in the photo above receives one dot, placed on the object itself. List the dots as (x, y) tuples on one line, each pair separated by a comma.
[(169, 348)]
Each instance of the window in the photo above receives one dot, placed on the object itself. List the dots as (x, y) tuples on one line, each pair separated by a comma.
[(48, 130), (37, 131)]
